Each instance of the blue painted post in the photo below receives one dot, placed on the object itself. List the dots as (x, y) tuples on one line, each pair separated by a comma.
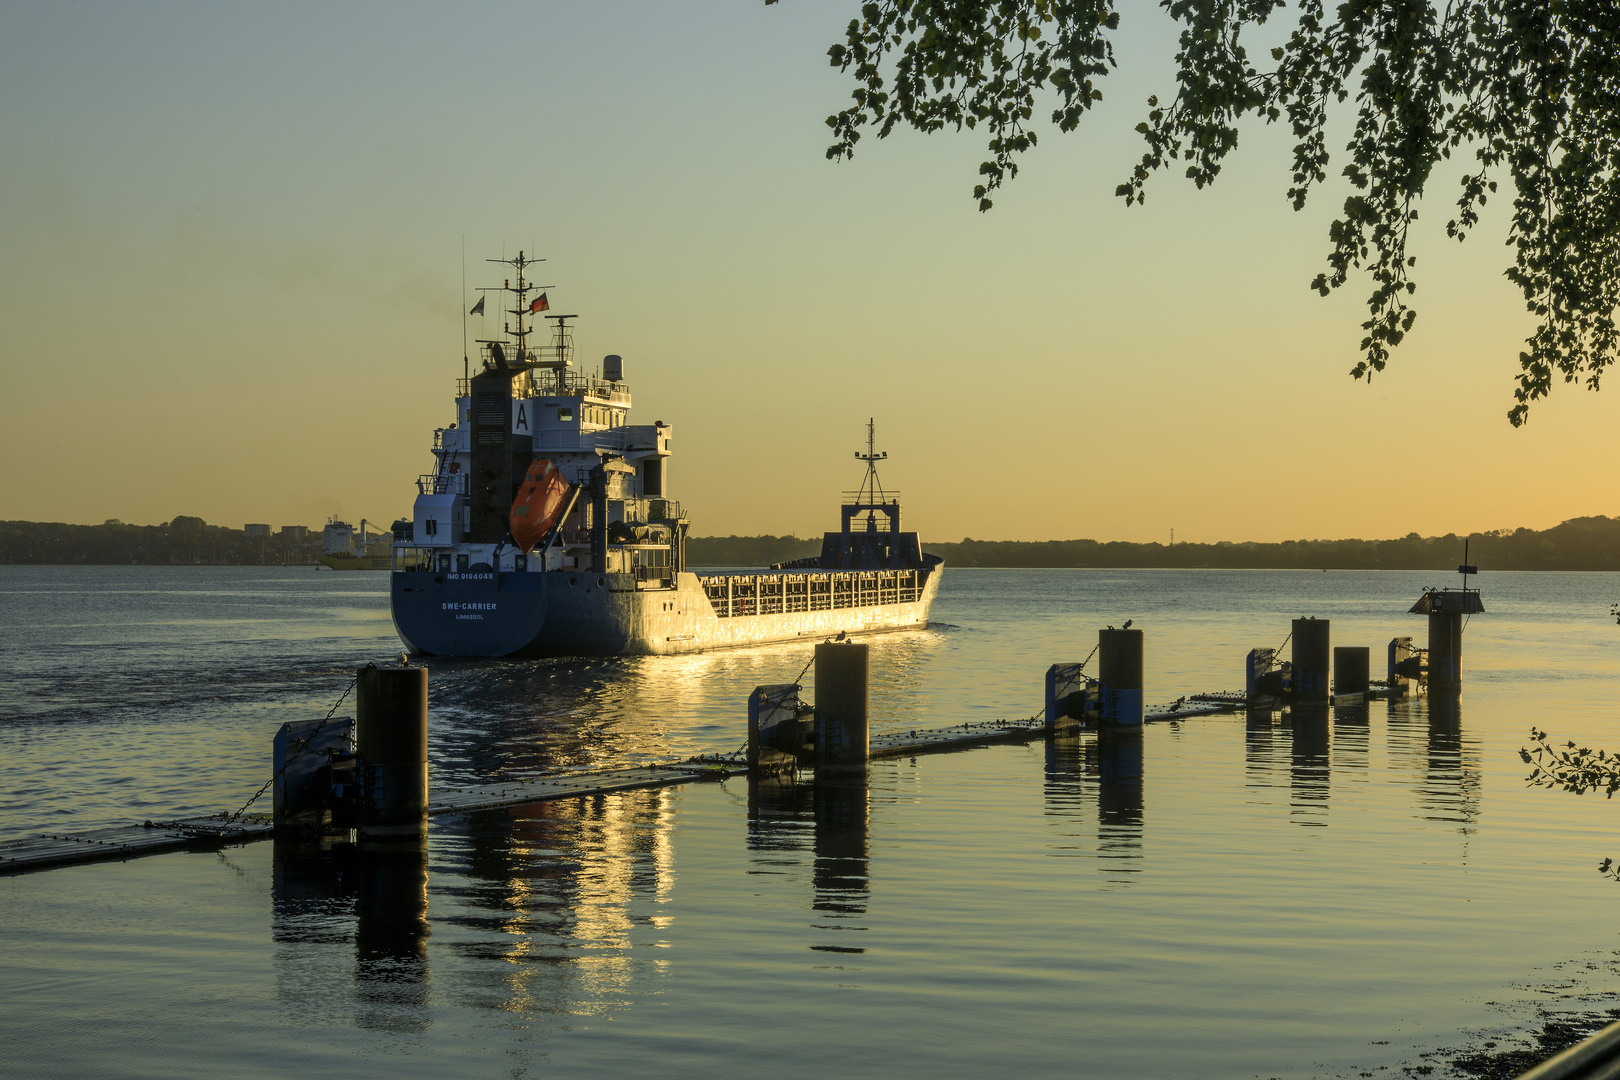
[(1119, 677)]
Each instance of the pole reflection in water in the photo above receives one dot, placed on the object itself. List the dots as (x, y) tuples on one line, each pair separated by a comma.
[(1426, 741), (1260, 750), (326, 895), (1119, 798), (781, 821), (1352, 740), (1065, 776), (391, 981), (312, 911), (1309, 773), (843, 812), (1452, 783)]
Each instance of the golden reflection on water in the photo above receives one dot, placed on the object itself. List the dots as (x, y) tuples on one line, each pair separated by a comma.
[(548, 899), (560, 879)]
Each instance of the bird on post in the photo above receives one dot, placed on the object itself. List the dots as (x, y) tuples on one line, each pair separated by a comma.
[(1127, 625)]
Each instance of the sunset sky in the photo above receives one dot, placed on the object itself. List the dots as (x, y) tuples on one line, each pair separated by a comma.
[(231, 286)]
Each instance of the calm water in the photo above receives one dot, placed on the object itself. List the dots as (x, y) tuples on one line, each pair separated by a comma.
[(1322, 899)]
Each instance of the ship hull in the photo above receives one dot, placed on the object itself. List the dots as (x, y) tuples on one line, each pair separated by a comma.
[(583, 614)]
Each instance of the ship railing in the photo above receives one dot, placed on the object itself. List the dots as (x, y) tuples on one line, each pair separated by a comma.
[(621, 439), (441, 484), (545, 384), (733, 595)]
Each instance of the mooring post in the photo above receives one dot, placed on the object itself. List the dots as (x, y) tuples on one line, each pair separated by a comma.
[(1065, 696), (1119, 677), (391, 725), (1447, 610), (843, 742), (1311, 657), (1351, 669), (1445, 649)]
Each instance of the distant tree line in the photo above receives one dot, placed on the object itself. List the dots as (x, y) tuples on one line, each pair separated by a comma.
[(181, 541), (1587, 543), (748, 550)]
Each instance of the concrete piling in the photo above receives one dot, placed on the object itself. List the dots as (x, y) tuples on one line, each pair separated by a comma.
[(843, 732), (391, 727), (1310, 661), (1351, 674), (1447, 610), (1119, 677), (1445, 650)]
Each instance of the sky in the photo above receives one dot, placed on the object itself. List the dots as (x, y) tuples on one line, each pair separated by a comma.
[(231, 266)]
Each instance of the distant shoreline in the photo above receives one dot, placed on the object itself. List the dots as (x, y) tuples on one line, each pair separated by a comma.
[(1589, 543)]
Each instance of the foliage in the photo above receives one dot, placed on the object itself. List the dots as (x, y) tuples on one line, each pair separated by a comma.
[(1576, 769), (1589, 543), (1525, 89), (747, 550), (183, 540)]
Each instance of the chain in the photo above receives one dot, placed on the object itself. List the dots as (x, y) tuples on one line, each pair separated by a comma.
[(299, 748), (812, 660)]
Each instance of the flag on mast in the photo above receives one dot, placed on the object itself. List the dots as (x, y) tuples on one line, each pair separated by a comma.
[(540, 304), (478, 308)]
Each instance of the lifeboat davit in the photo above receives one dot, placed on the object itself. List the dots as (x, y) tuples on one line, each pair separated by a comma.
[(539, 503)]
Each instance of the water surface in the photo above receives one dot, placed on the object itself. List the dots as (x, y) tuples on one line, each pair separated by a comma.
[(1315, 896)]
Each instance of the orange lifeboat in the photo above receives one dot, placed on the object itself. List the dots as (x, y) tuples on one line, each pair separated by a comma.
[(539, 503)]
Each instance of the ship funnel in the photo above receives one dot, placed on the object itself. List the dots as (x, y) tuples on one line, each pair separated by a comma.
[(613, 368)]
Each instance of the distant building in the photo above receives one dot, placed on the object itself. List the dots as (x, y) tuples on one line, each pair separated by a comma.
[(295, 533), (256, 530)]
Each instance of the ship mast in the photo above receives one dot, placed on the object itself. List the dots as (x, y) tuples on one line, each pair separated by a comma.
[(871, 493), (522, 311)]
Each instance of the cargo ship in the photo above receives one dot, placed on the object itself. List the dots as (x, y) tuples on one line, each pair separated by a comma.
[(341, 551), (547, 526)]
